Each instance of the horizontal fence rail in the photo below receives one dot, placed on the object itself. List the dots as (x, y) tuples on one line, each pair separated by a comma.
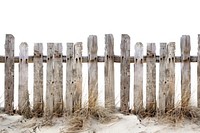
[(55, 59), (117, 59)]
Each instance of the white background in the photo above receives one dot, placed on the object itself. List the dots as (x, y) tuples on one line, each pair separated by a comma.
[(74, 20)]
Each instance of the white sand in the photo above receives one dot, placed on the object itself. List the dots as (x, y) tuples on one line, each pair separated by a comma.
[(125, 124)]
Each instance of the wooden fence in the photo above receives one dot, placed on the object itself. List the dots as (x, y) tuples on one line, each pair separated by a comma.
[(73, 61)]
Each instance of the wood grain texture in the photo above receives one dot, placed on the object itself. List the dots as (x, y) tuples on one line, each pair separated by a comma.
[(38, 103), (170, 77), (92, 71), (185, 71), (58, 80), (162, 83), (9, 74), (109, 72), (151, 79), (77, 73), (125, 74), (50, 81), (69, 78), (23, 94), (138, 78)]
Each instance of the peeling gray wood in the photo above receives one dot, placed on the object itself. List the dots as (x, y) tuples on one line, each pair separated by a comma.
[(185, 71), (23, 94), (69, 79), (58, 80), (198, 73), (77, 73), (109, 72), (170, 76), (151, 79), (9, 74), (50, 81), (92, 71), (38, 104), (138, 78), (162, 85), (125, 74)]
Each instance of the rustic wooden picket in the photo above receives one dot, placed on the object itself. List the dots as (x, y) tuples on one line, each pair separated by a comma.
[(185, 71), (92, 71), (125, 73), (151, 78), (138, 78), (23, 94), (38, 104), (109, 72), (9, 74)]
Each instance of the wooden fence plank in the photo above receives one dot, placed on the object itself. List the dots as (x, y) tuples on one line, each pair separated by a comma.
[(77, 73), (58, 80), (92, 71), (125, 74), (38, 104), (69, 78), (50, 81), (151, 79), (109, 72), (198, 73), (185, 71), (162, 86), (9, 74), (23, 94), (138, 78), (170, 76)]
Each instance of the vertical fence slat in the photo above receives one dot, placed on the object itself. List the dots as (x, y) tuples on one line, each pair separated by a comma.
[(185, 71), (109, 72), (50, 81), (38, 104), (170, 76), (9, 74), (23, 94), (151, 78), (58, 80), (92, 70), (69, 78), (138, 78), (198, 73), (162, 86), (125, 73), (77, 73)]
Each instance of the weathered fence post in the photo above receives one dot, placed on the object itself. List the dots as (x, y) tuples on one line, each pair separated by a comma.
[(50, 81), (109, 72), (58, 79), (23, 94), (198, 73), (92, 71), (69, 78), (151, 79), (9, 74), (170, 76), (38, 104), (125, 74), (162, 83), (138, 78), (77, 73), (185, 71)]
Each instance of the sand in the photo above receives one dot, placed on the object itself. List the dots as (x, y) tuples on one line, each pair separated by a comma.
[(122, 124)]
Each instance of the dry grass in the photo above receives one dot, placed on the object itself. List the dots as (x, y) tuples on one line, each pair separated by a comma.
[(80, 119), (181, 112)]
